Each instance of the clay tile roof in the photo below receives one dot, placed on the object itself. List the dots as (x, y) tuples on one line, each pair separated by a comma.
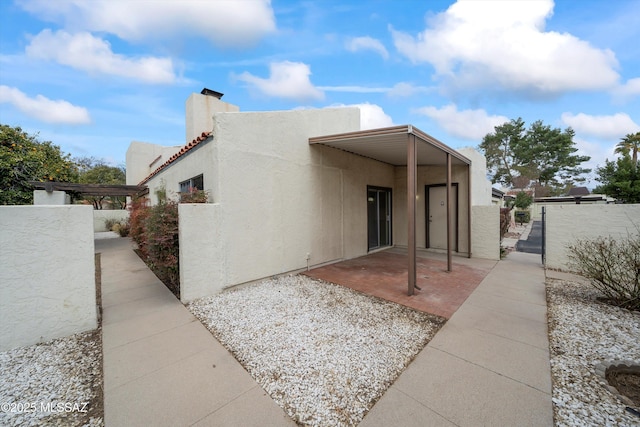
[(184, 150)]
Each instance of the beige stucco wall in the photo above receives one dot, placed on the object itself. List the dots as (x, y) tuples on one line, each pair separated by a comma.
[(280, 204), (100, 216), (199, 111), (485, 232), (141, 159), (536, 208), (282, 199), (198, 161), (429, 176), (566, 223), (203, 261), (480, 185), (47, 273)]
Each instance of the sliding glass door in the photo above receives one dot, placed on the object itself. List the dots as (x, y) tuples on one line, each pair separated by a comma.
[(378, 217)]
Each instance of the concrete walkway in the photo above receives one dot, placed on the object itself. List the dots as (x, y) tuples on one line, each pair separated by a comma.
[(162, 367), (489, 364)]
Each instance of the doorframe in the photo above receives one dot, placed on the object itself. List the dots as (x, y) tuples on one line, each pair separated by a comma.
[(427, 187), (390, 191)]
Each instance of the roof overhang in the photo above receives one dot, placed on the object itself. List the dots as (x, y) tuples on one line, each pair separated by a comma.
[(389, 145)]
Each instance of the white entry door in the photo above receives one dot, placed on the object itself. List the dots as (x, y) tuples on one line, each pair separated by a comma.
[(437, 216)]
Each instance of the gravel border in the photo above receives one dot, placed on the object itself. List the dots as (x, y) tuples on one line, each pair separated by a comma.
[(54, 383), (583, 334), (323, 352)]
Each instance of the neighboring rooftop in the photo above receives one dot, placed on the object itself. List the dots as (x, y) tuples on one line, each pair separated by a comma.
[(579, 191)]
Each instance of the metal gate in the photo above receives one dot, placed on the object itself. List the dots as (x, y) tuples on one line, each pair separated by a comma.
[(544, 233)]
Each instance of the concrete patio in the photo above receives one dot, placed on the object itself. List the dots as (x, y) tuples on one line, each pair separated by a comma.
[(489, 364)]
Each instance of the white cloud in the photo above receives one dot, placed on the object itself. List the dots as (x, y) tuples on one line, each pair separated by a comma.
[(367, 43), (628, 90), (44, 109), (372, 116), (286, 80), (467, 124), (606, 127), (504, 45), (92, 54), (229, 23)]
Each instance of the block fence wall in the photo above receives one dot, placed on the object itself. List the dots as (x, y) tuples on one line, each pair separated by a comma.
[(485, 232), (47, 273), (567, 223)]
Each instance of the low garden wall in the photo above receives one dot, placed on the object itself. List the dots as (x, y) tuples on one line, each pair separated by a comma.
[(100, 216), (47, 273), (566, 223)]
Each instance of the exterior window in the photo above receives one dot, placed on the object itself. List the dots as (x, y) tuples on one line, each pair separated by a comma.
[(197, 183)]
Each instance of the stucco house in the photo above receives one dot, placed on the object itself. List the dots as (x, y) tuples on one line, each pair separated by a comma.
[(290, 190)]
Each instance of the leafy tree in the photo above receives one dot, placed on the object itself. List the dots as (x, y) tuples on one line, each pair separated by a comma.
[(24, 158), (523, 200), (630, 144), (540, 153), (97, 171), (620, 179)]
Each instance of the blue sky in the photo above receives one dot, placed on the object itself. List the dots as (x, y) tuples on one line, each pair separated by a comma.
[(92, 76)]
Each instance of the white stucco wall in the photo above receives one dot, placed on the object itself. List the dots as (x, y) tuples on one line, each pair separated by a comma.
[(282, 199), (485, 232), (202, 250), (42, 197), (566, 223), (199, 111), (198, 161), (141, 159), (47, 273), (100, 216)]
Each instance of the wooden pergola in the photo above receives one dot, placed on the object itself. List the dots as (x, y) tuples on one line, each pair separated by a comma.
[(406, 146), (91, 189)]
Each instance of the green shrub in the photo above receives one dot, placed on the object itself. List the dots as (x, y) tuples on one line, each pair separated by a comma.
[(155, 231), (612, 267), (161, 234)]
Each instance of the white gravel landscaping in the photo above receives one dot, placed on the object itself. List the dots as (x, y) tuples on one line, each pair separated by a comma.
[(584, 333), (55, 383), (324, 353)]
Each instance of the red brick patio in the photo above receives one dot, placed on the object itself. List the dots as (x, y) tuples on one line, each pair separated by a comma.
[(384, 275)]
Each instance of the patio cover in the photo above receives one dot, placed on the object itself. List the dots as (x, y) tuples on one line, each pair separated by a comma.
[(405, 146)]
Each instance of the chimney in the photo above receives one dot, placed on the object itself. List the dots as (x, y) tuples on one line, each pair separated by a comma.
[(209, 92), (200, 108)]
